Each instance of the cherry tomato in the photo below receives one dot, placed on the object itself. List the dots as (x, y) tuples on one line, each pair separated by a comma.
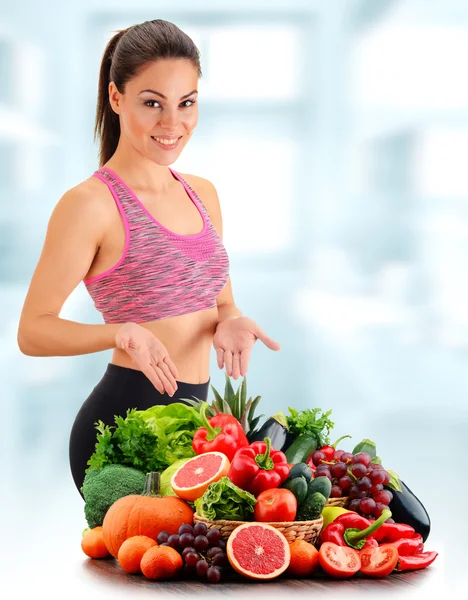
[(378, 561), (277, 504), (339, 561)]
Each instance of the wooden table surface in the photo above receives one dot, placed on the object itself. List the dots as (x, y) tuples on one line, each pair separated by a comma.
[(400, 585)]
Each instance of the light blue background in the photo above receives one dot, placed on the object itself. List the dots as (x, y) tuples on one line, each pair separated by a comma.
[(336, 134)]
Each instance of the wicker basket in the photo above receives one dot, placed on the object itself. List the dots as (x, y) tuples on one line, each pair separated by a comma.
[(342, 502), (292, 530)]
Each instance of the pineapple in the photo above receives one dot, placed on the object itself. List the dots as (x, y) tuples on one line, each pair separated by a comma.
[(235, 404)]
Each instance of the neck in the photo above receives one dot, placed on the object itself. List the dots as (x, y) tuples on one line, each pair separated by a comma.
[(141, 173)]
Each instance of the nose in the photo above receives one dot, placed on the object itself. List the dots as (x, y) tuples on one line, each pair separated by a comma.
[(170, 119)]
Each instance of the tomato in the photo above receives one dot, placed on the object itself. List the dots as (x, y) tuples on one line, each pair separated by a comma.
[(277, 504), (339, 561), (380, 561)]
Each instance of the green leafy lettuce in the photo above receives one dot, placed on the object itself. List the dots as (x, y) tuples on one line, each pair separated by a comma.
[(149, 440), (224, 500)]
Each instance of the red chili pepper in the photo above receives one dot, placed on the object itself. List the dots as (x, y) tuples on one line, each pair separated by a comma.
[(343, 535), (329, 451), (417, 561), (258, 467), (409, 546), (222, 433), (391, 532)]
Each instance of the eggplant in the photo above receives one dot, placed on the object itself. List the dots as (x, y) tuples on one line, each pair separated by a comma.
[(276, 428), (407, 508)]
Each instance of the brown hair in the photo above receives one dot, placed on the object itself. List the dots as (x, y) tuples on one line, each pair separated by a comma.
[(125, 55)]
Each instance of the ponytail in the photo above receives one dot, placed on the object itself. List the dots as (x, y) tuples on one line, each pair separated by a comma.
[(107, 124)]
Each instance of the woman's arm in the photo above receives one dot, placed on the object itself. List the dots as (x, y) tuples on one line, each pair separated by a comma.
[(73, 236)]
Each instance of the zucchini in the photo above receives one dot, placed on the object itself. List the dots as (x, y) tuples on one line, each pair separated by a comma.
[(302, 447), (320, 484), (298, 486), (312, 507)]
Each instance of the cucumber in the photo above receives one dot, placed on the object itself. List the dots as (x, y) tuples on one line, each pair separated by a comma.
[(312, 507), (300, 470), (320, 484), (302, 447), (298, 486)]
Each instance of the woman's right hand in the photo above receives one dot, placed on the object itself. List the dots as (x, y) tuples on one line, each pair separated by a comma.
[(149, 355)]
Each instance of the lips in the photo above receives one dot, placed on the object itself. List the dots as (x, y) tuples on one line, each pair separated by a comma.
[(165, 146)]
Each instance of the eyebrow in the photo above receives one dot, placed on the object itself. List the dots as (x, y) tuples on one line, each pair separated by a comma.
[(164, 97)]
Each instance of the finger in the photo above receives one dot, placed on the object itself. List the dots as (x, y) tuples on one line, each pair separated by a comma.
[(167, 385), (267, 340), (151, 374), (244, 361), (236, 365), (228, 362), (167, 359), (170, 389), (220, 357), (167, 372)]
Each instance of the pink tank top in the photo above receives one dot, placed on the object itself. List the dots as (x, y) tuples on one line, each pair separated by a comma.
[(160, 273)]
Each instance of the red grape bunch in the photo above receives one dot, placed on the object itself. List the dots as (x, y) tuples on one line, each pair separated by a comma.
[(357, 478), (203, 551)]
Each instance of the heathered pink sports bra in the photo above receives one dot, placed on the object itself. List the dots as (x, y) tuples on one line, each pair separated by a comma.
[(160, 273)]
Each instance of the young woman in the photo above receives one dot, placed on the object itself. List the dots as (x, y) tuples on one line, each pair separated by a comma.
[(147, 247)]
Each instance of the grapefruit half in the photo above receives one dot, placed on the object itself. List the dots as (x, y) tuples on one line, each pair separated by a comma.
[(258, 551), (190, 481)]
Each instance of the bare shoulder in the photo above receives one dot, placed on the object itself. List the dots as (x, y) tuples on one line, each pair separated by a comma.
[(90, 196)]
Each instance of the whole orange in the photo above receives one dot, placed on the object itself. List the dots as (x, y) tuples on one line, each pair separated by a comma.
[(161, 562), (304, 559), (92, 544), (131, 552)]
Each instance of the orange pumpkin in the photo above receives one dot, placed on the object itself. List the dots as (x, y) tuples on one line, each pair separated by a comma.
[(147, 514)]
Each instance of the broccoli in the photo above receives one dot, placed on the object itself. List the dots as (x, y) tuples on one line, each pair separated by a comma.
[(102, 487)]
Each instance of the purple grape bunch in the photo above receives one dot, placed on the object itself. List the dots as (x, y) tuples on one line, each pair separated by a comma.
[(358, 478), (203, 551)]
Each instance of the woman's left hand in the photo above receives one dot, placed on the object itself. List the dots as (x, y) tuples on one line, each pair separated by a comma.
[(233, 342)]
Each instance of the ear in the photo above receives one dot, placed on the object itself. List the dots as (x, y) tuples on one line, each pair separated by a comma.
[(115, 97)]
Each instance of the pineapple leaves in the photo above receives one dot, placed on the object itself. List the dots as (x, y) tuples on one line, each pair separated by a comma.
[(234, 403)]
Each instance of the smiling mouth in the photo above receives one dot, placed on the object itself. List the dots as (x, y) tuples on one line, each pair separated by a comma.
[(165, 141)]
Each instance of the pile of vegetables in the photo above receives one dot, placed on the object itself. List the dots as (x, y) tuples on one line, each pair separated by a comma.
[(279, 471)]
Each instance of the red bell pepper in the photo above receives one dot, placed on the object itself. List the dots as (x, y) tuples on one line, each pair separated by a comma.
[(258, 467), (416, 561), (352, 531), (222, 433)]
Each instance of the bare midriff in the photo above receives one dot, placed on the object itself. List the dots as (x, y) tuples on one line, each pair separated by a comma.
[(187, 338)]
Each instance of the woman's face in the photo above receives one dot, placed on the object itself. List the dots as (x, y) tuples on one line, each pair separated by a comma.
[(169, 112)]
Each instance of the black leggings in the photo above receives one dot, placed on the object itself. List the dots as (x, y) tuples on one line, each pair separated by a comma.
[(119, 389)]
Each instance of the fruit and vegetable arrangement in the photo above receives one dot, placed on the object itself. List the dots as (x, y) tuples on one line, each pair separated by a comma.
[(198, 490)]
